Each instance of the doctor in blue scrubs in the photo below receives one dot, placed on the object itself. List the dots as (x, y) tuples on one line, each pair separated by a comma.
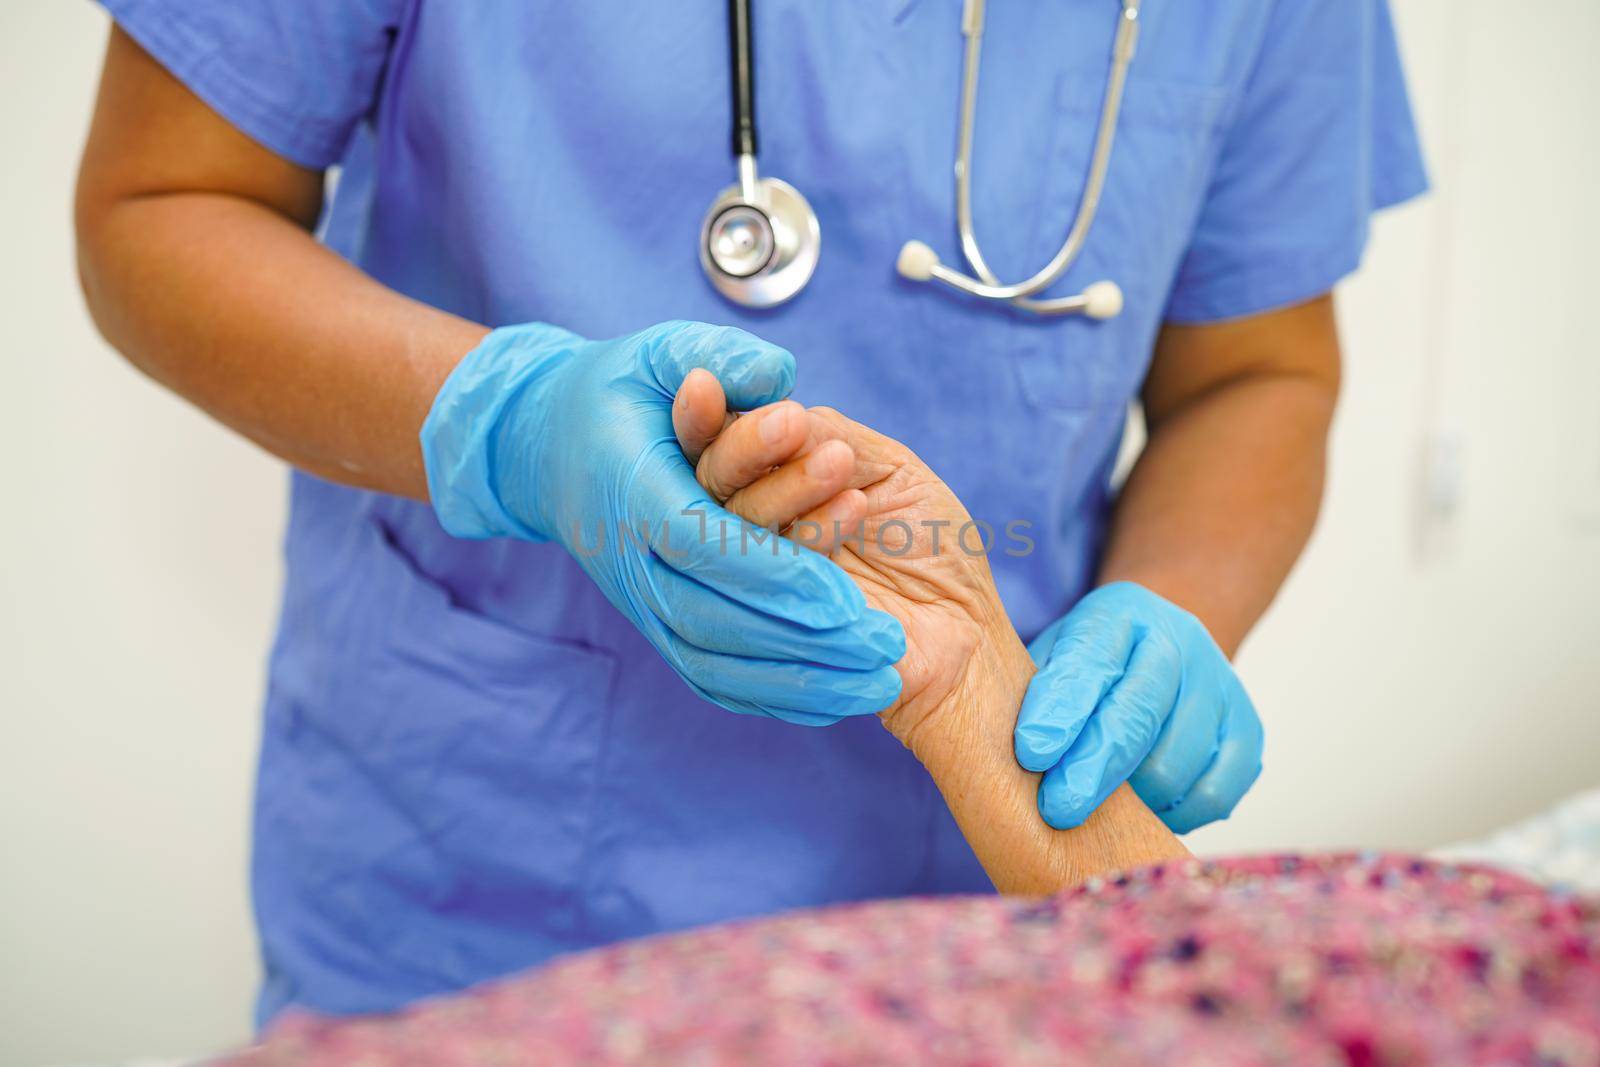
[(497, 730)]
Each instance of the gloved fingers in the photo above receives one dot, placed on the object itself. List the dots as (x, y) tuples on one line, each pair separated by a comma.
[(699, 412), (745, 707), (1225, 782), (772, 687), (799, 718), (1088, 657), (793, 718), (1071, 790), (752, 372), (1039, 648), (756, 567), (1116, 738), (705, 619), (1186, 747), (1053, 714)]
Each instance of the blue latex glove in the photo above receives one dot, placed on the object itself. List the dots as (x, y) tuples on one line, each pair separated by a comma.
[(1132, 688), (542, 435)]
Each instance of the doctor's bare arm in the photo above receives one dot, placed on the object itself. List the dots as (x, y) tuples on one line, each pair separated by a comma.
[(196, 255), (1224, 497)]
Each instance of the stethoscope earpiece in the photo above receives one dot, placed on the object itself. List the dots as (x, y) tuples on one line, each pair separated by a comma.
[(1103, 300), (916, 261)]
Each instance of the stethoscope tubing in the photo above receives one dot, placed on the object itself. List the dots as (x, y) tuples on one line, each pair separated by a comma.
[(990, 287), (742, 69)]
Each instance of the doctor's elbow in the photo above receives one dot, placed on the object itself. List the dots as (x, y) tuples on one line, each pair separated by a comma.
[(87, 238), (95, 208)]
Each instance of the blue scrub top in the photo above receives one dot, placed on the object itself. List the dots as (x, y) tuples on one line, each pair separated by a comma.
[(471, 762)]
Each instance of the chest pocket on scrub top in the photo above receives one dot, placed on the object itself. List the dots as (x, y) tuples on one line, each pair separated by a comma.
[(1167, 138)]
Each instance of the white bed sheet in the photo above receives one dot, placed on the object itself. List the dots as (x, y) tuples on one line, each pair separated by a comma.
[(1558, 847)]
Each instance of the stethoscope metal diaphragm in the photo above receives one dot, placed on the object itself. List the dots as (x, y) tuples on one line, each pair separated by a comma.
[(760, 241)]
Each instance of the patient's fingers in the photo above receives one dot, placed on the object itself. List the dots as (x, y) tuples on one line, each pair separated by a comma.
[(699, 412), (750, 447), (807, 482), (877, 456), (825, 528), (801, 476)]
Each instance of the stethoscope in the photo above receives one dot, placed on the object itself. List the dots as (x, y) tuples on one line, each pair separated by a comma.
[(760, 241)]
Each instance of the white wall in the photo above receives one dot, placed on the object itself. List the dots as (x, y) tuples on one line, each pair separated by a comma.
[(139, 562), (1422, 682)]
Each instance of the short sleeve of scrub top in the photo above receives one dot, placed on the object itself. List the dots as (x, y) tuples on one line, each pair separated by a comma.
[(1300, 171), (297, 76)]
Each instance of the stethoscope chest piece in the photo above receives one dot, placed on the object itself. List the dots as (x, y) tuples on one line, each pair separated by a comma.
[(760, 241)]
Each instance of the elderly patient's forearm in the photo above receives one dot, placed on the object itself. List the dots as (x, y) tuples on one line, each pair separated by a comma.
[(967, 748)]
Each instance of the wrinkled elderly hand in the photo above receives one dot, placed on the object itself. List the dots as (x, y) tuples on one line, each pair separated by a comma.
[(875, 509)]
